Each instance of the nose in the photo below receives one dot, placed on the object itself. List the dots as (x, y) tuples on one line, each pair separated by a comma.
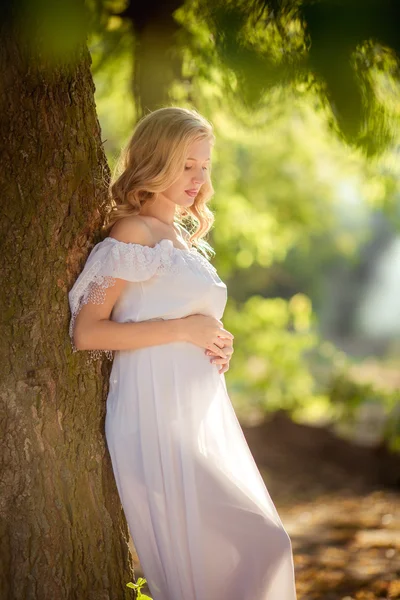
[(199, 176)]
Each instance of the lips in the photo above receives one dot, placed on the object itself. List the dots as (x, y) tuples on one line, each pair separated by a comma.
[(192, 193)]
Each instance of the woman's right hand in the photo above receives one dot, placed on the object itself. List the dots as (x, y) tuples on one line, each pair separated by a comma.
[(206, 332)]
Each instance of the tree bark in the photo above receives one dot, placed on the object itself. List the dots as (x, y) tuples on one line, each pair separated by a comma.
[(63, 533)]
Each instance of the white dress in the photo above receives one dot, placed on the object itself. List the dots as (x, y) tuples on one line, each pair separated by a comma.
[(202, 521)]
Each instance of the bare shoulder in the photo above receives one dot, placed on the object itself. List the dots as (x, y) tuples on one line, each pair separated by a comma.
[(132, 229)]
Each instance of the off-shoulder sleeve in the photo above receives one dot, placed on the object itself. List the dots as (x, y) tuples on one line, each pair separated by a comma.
[(110, 260)]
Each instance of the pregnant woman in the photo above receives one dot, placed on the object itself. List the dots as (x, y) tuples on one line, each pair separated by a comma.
[(202, 521)]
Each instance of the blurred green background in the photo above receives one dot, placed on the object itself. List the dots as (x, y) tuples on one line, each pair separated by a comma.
[(305, 101)]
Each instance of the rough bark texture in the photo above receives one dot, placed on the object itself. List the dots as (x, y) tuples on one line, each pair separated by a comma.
[(63, 534)]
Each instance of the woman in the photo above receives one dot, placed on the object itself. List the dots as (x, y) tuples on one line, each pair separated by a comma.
[(202, 521)]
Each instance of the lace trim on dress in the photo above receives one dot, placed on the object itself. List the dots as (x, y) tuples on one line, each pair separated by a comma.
[(95, 293), (112, 259)]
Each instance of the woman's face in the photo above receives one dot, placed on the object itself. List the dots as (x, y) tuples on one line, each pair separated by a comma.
[(194, 174)]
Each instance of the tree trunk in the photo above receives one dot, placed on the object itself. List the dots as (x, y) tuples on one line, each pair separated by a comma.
[(157, 57), (63, 533)]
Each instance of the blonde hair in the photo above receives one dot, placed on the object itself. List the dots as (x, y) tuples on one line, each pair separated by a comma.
[(153, 160)]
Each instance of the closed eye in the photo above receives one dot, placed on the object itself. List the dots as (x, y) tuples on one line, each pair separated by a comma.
[(188, 168)]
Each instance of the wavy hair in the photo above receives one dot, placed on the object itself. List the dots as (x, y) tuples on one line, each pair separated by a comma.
[(153, 160)]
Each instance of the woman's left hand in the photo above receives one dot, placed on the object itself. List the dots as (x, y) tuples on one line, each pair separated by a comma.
[(227, 346)]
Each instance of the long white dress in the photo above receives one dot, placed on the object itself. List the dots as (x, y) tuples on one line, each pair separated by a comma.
[(202, 521)]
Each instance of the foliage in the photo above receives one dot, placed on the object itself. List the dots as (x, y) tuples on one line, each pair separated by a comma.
[(292, 201), (271, 339), (137, 587), (343, 51), (350, 398)]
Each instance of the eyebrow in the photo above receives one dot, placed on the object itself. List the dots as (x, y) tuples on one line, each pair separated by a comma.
[(196, 159)]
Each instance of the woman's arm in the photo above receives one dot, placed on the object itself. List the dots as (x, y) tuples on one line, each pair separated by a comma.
[(95, 331)]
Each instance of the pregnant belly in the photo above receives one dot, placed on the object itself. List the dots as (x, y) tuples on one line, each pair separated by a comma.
[(183, 360), (170, 382)]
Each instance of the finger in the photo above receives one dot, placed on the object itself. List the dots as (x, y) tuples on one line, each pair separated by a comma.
[(220, 344), (226, 341), (218, 351), (225, 333), (209, 352), (228, 349), (219, 361)]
